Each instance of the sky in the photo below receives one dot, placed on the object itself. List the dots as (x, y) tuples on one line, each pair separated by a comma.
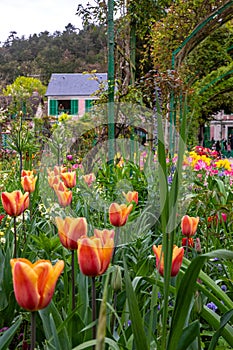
[(35, 16)]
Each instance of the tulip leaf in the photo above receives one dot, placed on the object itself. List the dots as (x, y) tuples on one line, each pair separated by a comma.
[(59, 324), (224, 319), (90, 343), (215, 322), (7, 336), (135, 316), (185, 294), (57, 344), (189, 334)]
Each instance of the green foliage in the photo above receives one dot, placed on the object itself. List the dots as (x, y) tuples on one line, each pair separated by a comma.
[(46, 53)]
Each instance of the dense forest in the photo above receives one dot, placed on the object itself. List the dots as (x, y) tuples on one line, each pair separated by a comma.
[(45, 53)]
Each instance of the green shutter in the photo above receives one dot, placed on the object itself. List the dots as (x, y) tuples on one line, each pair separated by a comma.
[(74, 107), (88, 105), (53, 107)]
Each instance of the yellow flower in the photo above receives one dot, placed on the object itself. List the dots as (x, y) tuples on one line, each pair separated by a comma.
[(223, 163)]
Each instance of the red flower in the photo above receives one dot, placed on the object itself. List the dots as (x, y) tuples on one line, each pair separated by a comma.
[(189, 225), (177, 258), (118, 214), (187, 241), (95, 253)]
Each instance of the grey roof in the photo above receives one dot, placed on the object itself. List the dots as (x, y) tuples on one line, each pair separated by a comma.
[(74, 84)]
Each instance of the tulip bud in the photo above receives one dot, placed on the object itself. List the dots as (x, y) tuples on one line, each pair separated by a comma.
[(116, 281), (198, 245), (198, 303)]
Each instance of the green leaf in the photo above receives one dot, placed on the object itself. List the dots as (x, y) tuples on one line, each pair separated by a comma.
[(185, 294), (101, 328), (7, 336), (135, 316), (189, 334), (57, 344), (88, 344), (224, 319), (214, 321), (58, 323)]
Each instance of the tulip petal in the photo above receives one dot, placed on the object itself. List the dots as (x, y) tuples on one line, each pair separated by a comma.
[(25, 284), (47, 278), (88, 256)]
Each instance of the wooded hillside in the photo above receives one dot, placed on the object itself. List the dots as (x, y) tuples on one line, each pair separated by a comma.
[(45, 53)]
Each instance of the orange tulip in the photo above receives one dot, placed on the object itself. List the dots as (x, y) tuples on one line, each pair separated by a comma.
[(28, 183), (131, 196), (59, 169), (63, 195), (89, 178), (189, 225), (64, 198), (27, 173), (53, 180), (14, 203), (95, 253), (118, 214), (177, 257), (70, 230), (69, 179), (34, 284)]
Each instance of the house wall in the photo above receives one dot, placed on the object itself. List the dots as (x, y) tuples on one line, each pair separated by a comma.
[(222, 126)]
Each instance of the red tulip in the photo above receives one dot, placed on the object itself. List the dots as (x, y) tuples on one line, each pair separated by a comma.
[(187, 241), (14, 203), (118, 214), (70, 230), (95, 253), (177, 257), (34, 284), (189, 225)]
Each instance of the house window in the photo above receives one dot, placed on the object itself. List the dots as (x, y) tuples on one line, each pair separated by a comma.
[(88, 105)]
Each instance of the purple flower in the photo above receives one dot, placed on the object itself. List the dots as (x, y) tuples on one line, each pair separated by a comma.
[(224, 287), (212, 306), (3, 329), (69, 157), (169, 180)]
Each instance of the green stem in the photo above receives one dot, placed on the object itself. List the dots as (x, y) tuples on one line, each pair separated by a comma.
[(113, 315), (33, 330), (117, 233), (93, 289), (73, 281), (15, 238)]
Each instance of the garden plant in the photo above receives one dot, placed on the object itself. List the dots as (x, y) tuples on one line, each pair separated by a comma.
[(131, 253)]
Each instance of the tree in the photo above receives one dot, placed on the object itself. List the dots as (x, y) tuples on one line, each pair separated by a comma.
[(21, 92)]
